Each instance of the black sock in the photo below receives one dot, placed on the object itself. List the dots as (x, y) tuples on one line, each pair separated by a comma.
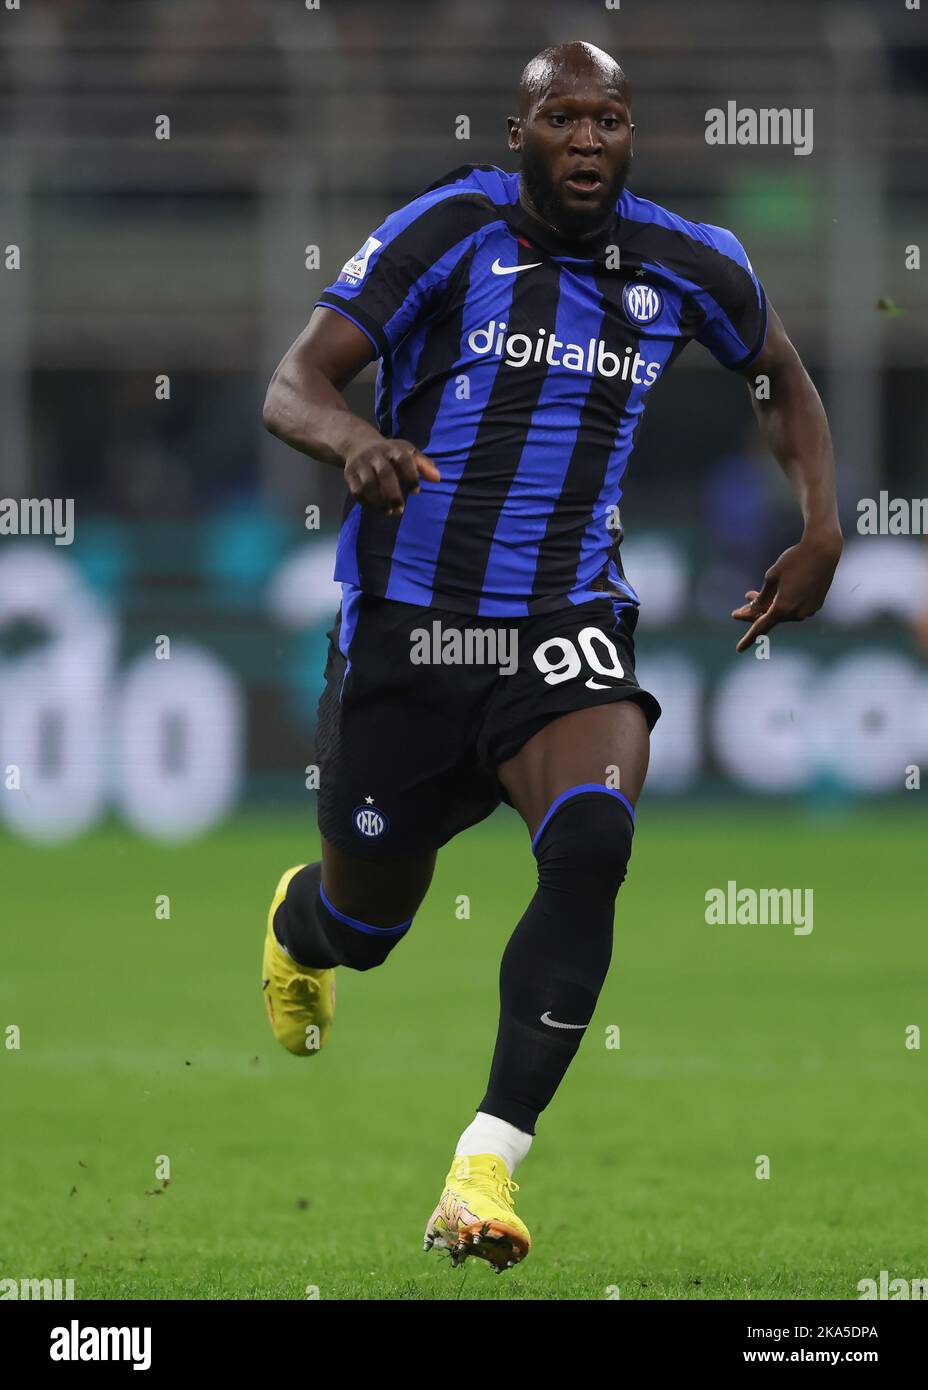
[(557, 958), (317, 935), (296, 924)]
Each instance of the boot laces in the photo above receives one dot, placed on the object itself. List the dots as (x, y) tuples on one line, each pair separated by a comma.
[(492, 1183)]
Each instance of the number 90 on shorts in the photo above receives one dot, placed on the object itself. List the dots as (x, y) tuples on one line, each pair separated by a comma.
[(562, 659)]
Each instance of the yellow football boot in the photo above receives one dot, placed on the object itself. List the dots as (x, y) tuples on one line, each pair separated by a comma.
[(475, 1215), (300, 999)]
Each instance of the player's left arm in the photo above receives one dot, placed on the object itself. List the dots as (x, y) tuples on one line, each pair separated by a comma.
[(793, 425)]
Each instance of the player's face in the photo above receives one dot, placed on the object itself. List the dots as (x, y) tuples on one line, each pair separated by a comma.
[(576, 146)]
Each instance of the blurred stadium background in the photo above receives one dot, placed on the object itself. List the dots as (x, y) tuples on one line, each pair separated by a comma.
[(193, 257)]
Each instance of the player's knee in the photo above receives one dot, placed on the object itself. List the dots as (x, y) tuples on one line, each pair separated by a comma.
[(585, 842), (358, 945)]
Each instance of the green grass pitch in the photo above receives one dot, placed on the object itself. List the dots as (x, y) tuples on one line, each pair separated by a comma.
[(143, 1037)]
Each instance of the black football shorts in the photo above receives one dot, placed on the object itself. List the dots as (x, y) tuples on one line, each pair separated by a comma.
[(421, 705)]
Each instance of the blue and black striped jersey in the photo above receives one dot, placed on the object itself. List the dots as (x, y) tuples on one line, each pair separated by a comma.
[(521, 365)]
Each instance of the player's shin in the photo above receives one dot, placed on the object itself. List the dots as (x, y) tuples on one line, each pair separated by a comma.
[(315, 933), (557, 958)]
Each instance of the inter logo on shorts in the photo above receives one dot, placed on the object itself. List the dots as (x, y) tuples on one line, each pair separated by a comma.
[(368, 821), (642, 303)]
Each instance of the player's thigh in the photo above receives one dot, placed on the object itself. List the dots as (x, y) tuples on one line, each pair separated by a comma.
[(380, 893), (608, 745)]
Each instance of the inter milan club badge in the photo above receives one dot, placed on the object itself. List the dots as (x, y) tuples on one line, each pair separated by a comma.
[(370, 822), (642, 303)]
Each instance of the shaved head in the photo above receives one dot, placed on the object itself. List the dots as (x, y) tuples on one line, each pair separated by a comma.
[(566, 62), (574, 136)]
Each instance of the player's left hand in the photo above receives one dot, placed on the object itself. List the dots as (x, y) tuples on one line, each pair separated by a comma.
[(794, 588)]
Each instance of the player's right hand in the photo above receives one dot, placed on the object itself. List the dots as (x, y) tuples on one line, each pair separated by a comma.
[(380, 475)]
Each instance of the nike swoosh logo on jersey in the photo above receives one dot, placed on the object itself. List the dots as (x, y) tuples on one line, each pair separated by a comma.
[(498, 269), (553, 1023)]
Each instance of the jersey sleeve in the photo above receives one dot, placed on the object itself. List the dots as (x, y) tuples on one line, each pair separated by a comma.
[(735, 325), (400, 273)]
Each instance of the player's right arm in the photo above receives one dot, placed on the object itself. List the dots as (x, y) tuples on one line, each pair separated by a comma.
[(306, 409)]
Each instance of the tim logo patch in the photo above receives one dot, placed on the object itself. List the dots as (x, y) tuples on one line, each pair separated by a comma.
[(356, 269), (369, 822), (642, 303)]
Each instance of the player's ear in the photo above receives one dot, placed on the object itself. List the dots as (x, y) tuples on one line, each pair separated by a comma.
[(515, 132)]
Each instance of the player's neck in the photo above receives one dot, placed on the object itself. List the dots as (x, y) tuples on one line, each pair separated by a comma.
[(588, 238)]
